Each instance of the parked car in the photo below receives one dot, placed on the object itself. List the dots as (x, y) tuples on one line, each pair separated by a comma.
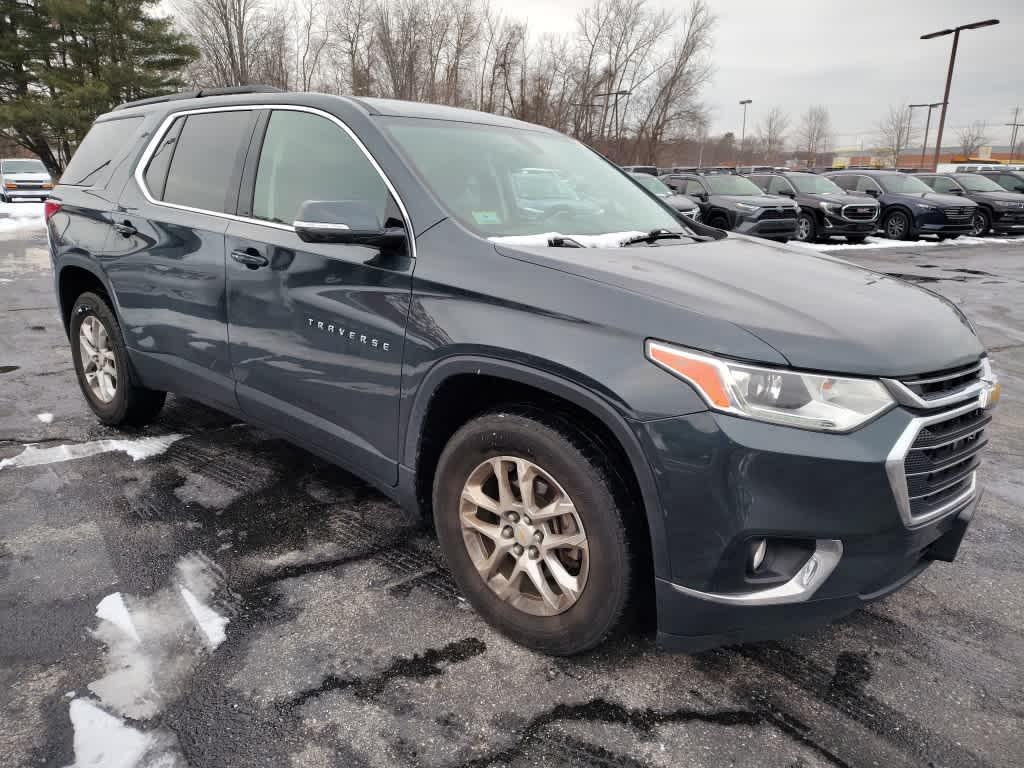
[(998, 209), (910, 207), (23, 178), (758, 439), (541, 193), (1012, 181), (734, 203), (825, 209), (659, 189), (650, 170)]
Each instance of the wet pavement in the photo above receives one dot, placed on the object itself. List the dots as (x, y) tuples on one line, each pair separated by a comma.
[(199, 593)]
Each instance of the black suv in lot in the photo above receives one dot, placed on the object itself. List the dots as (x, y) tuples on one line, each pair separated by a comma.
[(658, 188), (595, 408), (998, 209), (733, 203), (910, 207), (1012, 181), (825, 209)]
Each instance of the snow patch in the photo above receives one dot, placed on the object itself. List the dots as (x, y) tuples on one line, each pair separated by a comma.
[(138, 449), (17, 216), (46, 418), (112, 608), (210, 622), (872, 243), (102, 740), (609, 240)]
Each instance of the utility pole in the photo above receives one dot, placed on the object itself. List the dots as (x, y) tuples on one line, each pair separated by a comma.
[(927, 125), (1013, 136), (743, 132), (955, 32)]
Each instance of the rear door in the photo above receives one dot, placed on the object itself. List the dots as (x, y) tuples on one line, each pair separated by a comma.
[(317, 331), (166, 260)]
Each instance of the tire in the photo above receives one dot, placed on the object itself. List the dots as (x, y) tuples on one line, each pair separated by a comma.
[(897, 226), (570, 467), (981, 223), (116, 400), (806, 229), (4, 198), (718, 221), (855, 239)]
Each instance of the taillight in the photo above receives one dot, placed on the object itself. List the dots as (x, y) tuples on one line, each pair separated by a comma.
[(50, 207)]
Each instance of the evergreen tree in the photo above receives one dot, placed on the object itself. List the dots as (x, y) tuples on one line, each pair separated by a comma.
[(63, 62)]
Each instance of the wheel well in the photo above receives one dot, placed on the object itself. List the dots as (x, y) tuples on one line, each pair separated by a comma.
[(74, 281), (462, 397)]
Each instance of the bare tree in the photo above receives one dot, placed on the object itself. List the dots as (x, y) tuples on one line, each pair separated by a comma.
[(312, 36), (771, 134), (972, 137), (896, 133), (814, 133), (229, 35)]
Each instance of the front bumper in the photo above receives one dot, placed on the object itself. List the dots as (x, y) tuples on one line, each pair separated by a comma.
[(837, 225), (766, 227), (1011, 222), (26, 193), (936, 223), (725, 481)]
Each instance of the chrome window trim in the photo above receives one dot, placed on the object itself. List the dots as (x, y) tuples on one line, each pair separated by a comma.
[(318, 225), (158, 135), (800, 588), (897, 476)]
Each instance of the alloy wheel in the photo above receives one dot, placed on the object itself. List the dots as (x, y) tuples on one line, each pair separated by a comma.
[(803, 229), (896, 226), (524, 536), (99, 365), (978, 224)]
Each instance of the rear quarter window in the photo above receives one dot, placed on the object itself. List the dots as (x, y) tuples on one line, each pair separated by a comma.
[(93, 161)]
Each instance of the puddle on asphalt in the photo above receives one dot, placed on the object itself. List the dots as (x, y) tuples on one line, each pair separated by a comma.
[(154, 644)]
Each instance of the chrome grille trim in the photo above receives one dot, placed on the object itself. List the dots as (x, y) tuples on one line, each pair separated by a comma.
[(978, 373)]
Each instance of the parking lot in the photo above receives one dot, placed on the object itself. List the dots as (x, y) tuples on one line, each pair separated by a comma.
[(201, 593)]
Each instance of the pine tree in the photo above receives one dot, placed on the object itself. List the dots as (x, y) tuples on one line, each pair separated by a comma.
[(63, 62)]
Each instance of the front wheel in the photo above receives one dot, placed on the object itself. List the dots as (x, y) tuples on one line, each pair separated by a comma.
[(981, 223), (103, 368), (806, 229), (897, 226), (527, 517), (718, 221)]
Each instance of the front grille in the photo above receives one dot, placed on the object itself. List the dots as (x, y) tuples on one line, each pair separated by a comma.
[(931, 386), (958, 213), (942, 460), (860, 212), (779, 213)]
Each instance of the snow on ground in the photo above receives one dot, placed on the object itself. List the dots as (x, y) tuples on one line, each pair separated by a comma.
[(15, 216), (872, 243), (139, 448), (610, 240)]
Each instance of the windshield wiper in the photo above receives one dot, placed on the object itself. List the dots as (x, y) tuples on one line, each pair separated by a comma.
[(661, 234), (563, 242)]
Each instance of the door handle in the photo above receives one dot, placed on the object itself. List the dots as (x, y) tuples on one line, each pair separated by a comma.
[(125, 228), (250, 257)]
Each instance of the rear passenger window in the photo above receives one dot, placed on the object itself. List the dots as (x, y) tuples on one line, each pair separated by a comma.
[(204, 166), (308, 157), (93, 161)]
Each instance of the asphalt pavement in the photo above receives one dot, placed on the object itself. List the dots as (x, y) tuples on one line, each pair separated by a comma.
[(199, 593)]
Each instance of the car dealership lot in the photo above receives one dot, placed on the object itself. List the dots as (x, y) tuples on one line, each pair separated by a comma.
[(346, 643)]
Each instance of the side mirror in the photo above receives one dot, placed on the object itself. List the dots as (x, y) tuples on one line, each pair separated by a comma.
[(872, 192), (956, 192), (702, 196), (345, 221), (787, 193)]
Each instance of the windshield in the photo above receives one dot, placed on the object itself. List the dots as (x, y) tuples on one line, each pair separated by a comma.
[(538, 185), (974, 182), (657, 186), (476, 172), (731, 185), (809, 184), (901, 183), (24, 166)]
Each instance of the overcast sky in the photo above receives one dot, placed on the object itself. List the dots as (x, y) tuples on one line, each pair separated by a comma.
[(855, 57)]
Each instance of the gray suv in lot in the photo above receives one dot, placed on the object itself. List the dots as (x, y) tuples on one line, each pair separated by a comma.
[(605, 410)]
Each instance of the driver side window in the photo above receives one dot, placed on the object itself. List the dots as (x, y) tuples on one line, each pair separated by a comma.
[(942, 184), (694, 187), (308, 157), (779, 186), (865, 184)]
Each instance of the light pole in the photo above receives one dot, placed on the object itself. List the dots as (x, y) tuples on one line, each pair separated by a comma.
[(927, 125), (949, 75), (743, 132)]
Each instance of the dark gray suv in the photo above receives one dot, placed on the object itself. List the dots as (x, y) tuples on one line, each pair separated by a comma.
[(602, 407)]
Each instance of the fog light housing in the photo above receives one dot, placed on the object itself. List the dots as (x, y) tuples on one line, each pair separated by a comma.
[(759, 550)]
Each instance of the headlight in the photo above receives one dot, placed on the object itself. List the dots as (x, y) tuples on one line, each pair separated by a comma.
[(1007, 204), (925, 206), (779, 396), (831, 207), (748, 207)]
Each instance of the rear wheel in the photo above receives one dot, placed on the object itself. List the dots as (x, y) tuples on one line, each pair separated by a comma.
[(104, 371), (897, 226), (527, 517), (806, 229), (981, 223)]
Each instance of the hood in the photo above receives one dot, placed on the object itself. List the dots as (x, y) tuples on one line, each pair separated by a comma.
[(1004, 197), (935, 198), (820, 313), (680, 202), (765, 201)]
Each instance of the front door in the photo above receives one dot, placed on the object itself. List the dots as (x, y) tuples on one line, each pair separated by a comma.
[(316, 330)]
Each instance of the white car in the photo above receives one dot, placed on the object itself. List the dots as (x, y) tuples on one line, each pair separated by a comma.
[(23, 178)]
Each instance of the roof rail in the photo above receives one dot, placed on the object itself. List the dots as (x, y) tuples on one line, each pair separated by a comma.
[(235, 89)]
